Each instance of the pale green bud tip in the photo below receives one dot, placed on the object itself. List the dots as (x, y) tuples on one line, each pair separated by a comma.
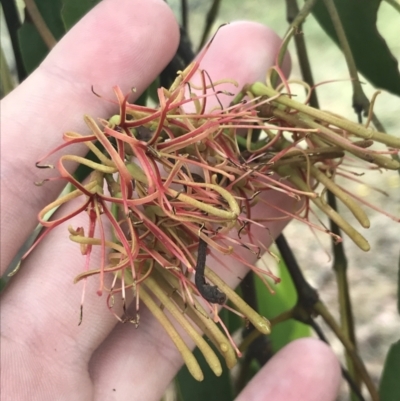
[(115, 120)]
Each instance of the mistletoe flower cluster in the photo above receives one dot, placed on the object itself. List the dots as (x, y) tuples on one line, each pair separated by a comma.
[(175, 186)]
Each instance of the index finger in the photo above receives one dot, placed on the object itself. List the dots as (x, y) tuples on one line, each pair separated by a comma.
[(57, 95)]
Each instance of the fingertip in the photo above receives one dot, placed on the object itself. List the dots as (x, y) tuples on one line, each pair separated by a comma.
[(264, 44), (249, 47), (120, 42), (242, 51), (323, 366), (306, 369)]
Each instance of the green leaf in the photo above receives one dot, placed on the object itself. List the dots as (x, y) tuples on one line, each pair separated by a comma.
[(212, 388), (73, 10), (389, 388), (33, 49), (398, 286), (3, 284), (6, 79), (232, 321), (370, 51), (51, 13), (270, 306), (13, 22)]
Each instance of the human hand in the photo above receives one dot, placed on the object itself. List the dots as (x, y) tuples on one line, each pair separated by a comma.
[(45, 354)]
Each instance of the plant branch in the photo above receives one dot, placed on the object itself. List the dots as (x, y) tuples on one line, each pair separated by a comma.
[(210, 19), (394, 4), (302, 14), (308, 304), (40, 24), (307, 296), (321, 309), (184, 14), (360, 100), (346, 375), (294, 28), (13, 24), (340, 261), (260, 89), (345, 308), (301, 49), (7, 84)]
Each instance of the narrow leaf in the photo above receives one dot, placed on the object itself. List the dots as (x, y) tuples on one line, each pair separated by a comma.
[(73, 10), (389, 388), (212, 388), (398, 287), (270, 306), (33, 49), (371, 53)]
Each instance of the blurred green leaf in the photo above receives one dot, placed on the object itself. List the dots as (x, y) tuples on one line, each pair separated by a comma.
[(33, 49), (232, 321), (152, 91), (394, 4), (13, 22), (285, 298), (6, 80), (142, 99), (398, 286), (3, 284), (73, 10), (371, 53), (389, 388), (212, 388), (51, 13)]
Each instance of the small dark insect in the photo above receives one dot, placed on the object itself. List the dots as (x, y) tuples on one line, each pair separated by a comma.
[(210, 293), (143, 133)]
